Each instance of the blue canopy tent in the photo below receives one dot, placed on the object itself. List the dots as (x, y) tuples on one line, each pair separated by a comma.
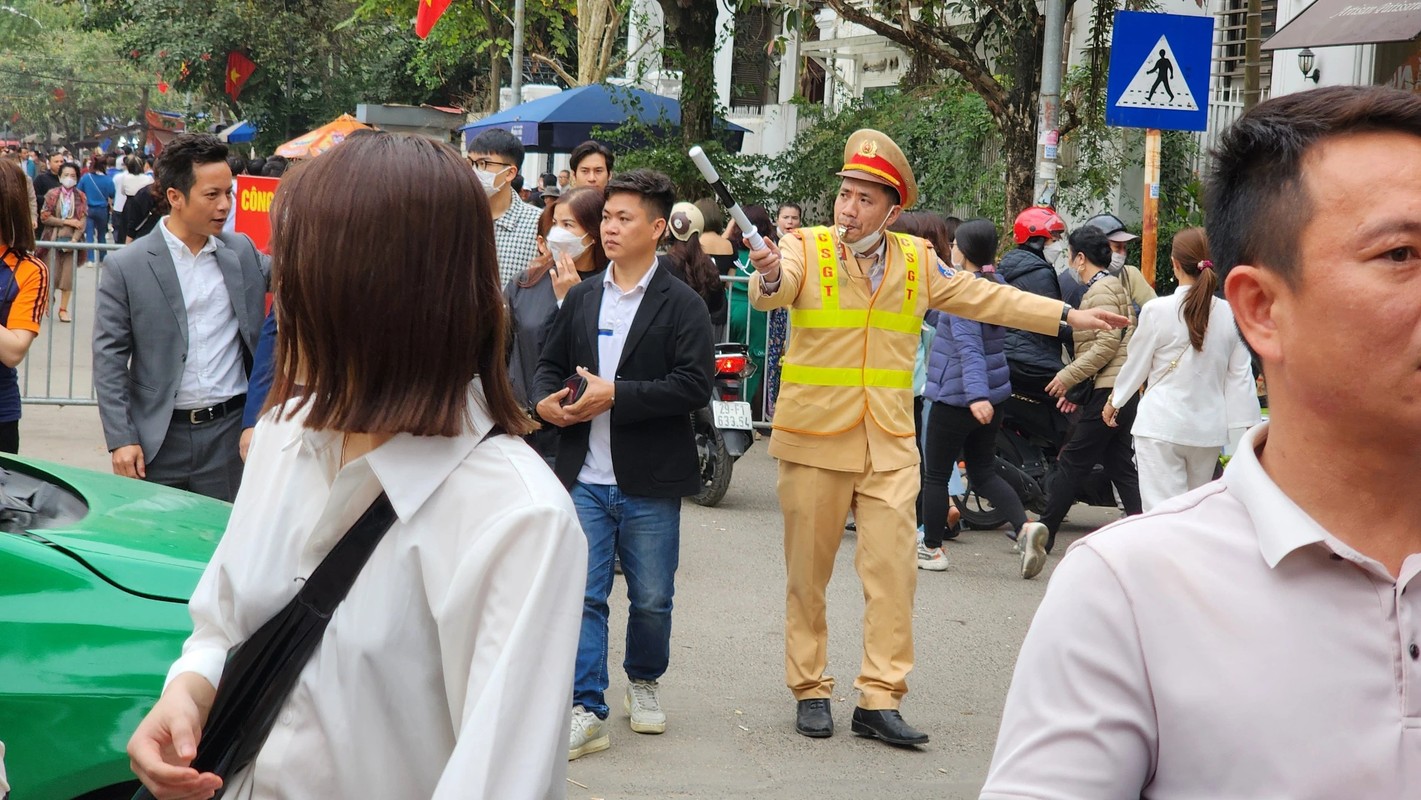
[(240, 132), (560, 122)]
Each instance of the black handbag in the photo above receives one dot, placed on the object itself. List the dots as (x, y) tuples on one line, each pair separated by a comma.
[(1080, 394), (262, 671)]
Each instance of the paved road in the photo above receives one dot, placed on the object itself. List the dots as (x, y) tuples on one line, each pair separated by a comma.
[(730, 731)]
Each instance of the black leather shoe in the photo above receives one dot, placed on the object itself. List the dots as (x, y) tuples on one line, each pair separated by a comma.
[(887, 725), (813, 719)]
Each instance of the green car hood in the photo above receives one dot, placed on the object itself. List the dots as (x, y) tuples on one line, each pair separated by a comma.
[(141, 537)]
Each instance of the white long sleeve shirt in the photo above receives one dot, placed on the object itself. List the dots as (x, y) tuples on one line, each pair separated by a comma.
[(1206, 394), (212, 372), (445, 673)]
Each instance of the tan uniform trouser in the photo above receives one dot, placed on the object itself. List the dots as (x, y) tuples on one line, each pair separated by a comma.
[(816, 503)]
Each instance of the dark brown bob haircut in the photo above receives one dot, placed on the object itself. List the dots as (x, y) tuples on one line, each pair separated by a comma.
[(17, 230), (1256, 198), (387, 294)]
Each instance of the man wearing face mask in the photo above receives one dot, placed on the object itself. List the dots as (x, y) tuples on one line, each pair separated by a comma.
[(1140, 290), (844, 419), (1035, 358), (497, 155)]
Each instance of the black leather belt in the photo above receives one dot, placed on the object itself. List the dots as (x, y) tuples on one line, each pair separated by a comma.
[(198, 416)]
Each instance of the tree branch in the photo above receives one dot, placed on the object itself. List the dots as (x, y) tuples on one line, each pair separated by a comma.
[(556, 67), (950, 50)]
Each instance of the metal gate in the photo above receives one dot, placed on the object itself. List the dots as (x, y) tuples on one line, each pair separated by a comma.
[(59, 367)]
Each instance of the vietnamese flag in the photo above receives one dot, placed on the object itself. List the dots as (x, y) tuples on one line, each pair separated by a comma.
[(239, 69), (429, 13)]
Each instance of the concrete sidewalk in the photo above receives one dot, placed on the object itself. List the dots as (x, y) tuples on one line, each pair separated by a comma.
[(64, 434)]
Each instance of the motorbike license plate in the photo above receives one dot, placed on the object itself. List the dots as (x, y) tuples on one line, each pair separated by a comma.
[(734, 415)]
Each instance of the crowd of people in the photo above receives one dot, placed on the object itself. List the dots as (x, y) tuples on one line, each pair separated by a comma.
[(584, 322)]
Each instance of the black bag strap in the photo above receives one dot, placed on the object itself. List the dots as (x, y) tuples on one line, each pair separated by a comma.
[(239, 723)]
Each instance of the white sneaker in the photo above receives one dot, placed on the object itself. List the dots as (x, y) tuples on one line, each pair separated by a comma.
[(588, 734), (933, 559), (1033, 549), (644, 708)]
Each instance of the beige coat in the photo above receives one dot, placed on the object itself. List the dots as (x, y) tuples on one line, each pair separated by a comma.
[(1101, 353)]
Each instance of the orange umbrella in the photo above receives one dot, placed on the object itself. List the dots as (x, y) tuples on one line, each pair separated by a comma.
[(321, 139)]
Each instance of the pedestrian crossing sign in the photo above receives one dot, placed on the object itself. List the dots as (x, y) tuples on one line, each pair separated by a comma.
[(1159, 71)]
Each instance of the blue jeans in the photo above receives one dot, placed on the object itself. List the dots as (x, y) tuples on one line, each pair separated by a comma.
[(646, 533), (97, 222)]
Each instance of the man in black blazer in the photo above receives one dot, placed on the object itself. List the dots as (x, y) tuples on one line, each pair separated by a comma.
[(178, 315), (640, 339)]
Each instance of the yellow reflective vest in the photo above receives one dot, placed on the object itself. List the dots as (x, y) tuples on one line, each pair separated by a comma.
[(851, 354)]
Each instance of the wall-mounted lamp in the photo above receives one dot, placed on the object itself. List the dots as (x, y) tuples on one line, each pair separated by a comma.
[(1305, 63)]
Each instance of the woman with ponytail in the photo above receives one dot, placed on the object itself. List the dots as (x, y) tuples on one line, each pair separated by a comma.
[(1199, 390)]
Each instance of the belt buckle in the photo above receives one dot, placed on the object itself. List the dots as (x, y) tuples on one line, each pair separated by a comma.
[(195, 415)]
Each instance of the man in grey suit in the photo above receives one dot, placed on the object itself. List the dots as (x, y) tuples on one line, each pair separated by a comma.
[(178, 316)]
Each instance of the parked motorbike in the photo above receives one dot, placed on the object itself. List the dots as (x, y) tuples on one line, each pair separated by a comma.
[(724, 429), (1031, 437)]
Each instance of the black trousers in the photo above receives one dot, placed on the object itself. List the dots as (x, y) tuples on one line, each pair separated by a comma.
[(922, 463), (1093, 442), (10, 437), (953, 431)]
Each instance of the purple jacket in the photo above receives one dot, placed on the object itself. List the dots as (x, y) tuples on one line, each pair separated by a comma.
[(968, 361)]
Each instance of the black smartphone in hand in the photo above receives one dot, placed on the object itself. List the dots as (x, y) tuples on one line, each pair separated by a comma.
[(576, 386)]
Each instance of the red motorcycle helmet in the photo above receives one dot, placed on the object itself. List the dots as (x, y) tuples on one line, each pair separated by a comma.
[(1037, 221)]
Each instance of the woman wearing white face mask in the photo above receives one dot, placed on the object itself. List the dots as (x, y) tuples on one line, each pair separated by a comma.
[(63, 217), (1140, 290), (569, 250), (1099, 357)]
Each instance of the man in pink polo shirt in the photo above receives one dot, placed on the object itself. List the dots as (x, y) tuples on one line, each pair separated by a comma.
[(1261, 636)]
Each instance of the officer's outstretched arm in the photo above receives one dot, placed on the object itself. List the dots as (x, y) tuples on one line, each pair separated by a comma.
[(959, 292)]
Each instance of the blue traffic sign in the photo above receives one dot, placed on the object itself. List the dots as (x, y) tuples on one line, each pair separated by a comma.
[(1159, 71)]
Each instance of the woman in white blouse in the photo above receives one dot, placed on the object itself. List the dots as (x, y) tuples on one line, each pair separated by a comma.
[(1200, 388), (446, 671)]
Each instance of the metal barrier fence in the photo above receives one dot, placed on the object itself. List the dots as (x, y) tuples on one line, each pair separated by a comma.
[(59, 367), (747, 337)]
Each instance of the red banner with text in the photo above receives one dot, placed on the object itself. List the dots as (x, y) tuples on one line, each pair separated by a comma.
[(252, 207)]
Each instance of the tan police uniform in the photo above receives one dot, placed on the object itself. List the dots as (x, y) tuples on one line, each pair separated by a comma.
[(843, 425)]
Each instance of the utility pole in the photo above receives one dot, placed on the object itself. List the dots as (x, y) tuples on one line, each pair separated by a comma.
[(1048, 138), (517, 78), (1252, 54)]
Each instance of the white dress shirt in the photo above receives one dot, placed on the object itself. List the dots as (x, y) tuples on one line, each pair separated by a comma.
[(1207, 393), (213, 370), (1221, 646), (614, 320), (445, 672)]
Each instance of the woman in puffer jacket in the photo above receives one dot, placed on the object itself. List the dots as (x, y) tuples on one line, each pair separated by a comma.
[(1099, 356), (968, 379)]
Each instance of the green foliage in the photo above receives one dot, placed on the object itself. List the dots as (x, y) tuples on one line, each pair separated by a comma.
[(943, 130), (309, 68), (640, 145), (317, 59), (54, 75), (454, 60)]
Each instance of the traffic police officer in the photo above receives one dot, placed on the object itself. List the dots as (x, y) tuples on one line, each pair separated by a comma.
[(844, 419)]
